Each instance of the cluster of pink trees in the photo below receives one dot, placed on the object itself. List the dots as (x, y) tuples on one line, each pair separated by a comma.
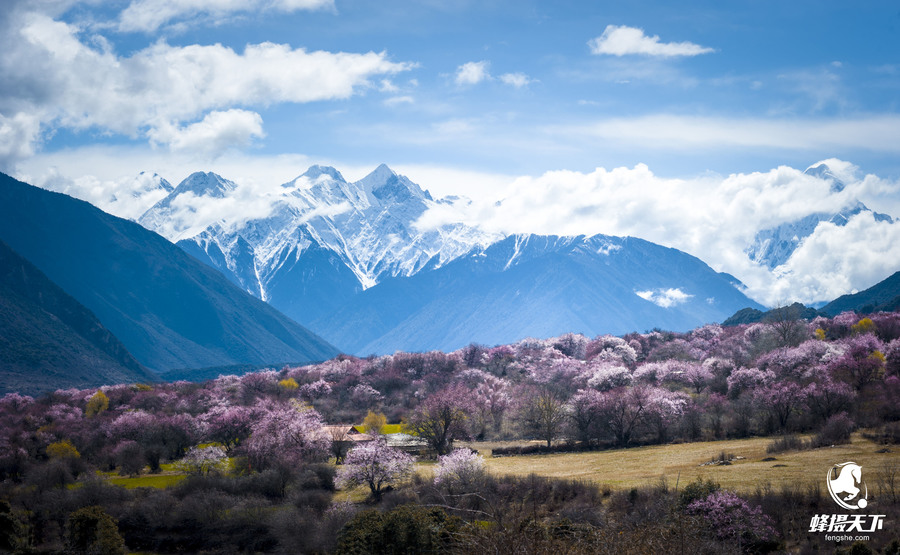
[(268, 428), (712, 382)]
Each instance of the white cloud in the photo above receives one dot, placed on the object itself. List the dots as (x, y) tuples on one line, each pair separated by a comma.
[(517, 80), (52, 77), (836, 260), (879, 133), (472, 73), (666, 298), (17, 137), (712, 217), (213, 135), (149, 15), (397, 100), (622, 41)]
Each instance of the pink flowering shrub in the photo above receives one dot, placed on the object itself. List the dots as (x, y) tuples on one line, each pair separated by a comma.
[(613, 349), (288, 434), (461, 469), (733, 520), (744, 379), (604, 375), (204, 460), (376, 465)]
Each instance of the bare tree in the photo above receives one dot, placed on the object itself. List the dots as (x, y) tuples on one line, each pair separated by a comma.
[(787, 325), (544, 414)]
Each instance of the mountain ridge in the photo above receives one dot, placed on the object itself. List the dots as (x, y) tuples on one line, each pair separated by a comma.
[(535, 286)]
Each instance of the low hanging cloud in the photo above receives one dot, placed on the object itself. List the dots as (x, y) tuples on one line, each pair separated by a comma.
[(836, 260), (149, 15), (712, 217), (665, 298), (174, 95), (622, 40)]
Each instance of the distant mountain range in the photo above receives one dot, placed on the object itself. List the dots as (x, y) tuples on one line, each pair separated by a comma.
[(166, 308), (352, 262)]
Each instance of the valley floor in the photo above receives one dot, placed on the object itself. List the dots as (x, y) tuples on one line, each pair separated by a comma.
[(683, 463)]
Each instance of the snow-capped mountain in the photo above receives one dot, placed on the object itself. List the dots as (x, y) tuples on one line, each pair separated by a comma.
[(322, 240), (535, 286), (773, 247), (163, 217)]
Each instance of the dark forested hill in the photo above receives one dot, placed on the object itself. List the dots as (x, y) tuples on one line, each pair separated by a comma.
[(48, 340), (884, 295), (169, 310)]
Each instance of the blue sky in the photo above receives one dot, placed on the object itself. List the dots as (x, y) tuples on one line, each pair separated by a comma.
[(766, 82), (490, 98)]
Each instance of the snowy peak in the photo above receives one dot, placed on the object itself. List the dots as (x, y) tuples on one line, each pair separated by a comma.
[(388, 187), (315, 173), (822, 171), (205, 184), (147, 182), (169, 220)]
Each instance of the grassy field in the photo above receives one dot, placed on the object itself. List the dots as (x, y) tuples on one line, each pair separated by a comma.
[(158, 481), (641, 466)]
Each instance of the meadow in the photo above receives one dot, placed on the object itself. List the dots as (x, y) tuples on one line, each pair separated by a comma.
[(683, 463)]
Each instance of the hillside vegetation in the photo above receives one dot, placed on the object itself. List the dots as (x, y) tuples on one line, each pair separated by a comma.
[(586, 427)]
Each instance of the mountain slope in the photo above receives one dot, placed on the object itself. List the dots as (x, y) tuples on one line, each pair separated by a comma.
[(537, 286), (884, 295), (168, 309), (48, 340)]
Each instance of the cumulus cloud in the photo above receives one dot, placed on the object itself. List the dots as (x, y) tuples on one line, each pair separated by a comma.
[(149, 15), (836, 260), (213, 135), (712, 217), (622, 40), (517, 80), (472, 73), (51, 77), (17, 137)]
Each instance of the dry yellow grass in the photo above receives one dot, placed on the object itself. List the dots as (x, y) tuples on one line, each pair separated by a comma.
[(640, 466)]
